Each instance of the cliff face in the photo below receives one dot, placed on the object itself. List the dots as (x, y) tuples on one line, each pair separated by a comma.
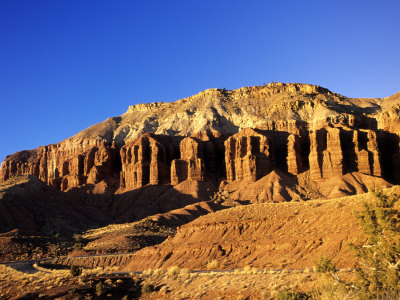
[(146, 161), (65, 168), (191, 164), (297, 130), (337, 151)]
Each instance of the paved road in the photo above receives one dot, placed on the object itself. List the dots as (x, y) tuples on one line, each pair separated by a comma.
[(26, 266)]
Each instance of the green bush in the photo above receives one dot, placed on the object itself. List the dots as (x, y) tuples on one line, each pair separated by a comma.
[(292, 295), (148, 288), (75, 270), (379, 267), (77, 238), (325, 265)]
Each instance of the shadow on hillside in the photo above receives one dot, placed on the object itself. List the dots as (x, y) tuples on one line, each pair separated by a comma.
[(48, 211)]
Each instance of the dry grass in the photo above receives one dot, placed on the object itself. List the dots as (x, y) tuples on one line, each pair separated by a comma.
[(174, 270), (247, 283), (212, 264), (113, 228), (44, 279), (329, 289), (8, 274)]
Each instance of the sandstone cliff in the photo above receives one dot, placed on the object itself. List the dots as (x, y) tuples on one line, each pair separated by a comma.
[(238, 136)]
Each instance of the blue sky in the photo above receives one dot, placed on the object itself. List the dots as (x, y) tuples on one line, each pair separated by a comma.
[(66, 65)]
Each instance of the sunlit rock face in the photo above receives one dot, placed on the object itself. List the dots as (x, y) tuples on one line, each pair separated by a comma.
[(303, 131), (146, 161)]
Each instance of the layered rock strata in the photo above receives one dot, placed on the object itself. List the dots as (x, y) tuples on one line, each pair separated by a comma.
[(337, 151), (191, 164), (146, 161), (64, 168), (293, 128), (284, 235), (248, 156)]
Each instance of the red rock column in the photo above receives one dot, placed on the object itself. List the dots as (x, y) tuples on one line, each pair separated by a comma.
[(293, 157), (144, 161), (191, 164), (247, 156), (366, 148), (326, 157)]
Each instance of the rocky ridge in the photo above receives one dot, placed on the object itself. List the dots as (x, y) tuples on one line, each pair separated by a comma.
[(229, 137)]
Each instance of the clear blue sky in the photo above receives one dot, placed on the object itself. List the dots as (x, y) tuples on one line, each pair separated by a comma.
[(65, 65)]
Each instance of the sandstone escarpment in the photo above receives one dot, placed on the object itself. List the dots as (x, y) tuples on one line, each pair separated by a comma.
[(191, 164), (64, 168), (248, 156), (325, 153), (289, 128), (146, 161), (339, 150), (295, 157)]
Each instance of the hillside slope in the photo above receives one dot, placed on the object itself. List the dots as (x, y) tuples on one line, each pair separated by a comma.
[(274, 236)]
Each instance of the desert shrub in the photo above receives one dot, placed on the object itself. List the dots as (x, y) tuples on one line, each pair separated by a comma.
[(77, 237), (247, 269), (212, 264), (101, 288), (158, 272), (328, 288), (254, 270), (148, 288), (147, 272), (325, 265), (292, 295), (79, 241), (174, 270), (75, 270), (378, 271), (186, 271), (78, 246)]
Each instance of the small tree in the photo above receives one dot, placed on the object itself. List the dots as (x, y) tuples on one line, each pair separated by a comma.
[(325, 265), (379, 266), (78, 245), (148, 288), (330, 285)]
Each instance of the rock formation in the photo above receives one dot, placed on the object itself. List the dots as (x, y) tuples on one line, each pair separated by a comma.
[(146, 161), (191, 164), (326, 158), (367, 152), (64, 168), (271, 143), (292, 129), (293, 157), (337, 151), (248, 156)]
